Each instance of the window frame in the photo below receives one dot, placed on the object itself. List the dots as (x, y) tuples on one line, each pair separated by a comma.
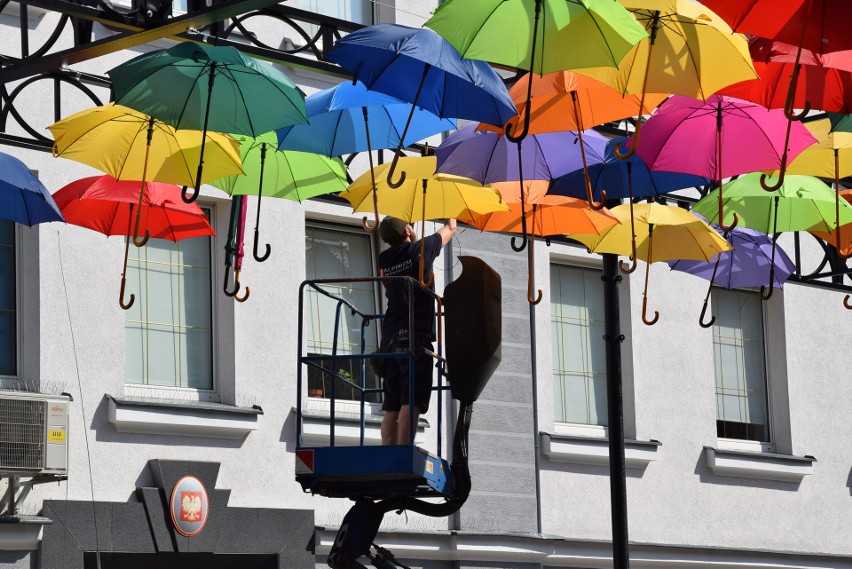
[(166, 392), (730, 443), (322, 405), (12, 380)]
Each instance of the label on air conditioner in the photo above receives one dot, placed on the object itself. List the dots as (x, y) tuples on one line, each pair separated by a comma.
[(56, 436), (56, 410)]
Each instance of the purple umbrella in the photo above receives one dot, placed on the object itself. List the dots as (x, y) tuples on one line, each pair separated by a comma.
[(488, 157), (746, 266)]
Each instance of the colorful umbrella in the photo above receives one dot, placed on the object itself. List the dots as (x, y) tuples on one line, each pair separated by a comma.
[(418, 66), (802, 203), (596, 33), (288, 174), (662, 233), (824, 82), (840, 236), (448, 195), (204, 87), (745, 266), (719, 138), (690, 52), (105, 205), (549, 215), (129, 145), (348, 118), (23, 198), (830, 157)]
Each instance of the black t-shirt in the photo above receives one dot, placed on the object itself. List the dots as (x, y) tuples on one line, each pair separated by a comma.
[(404, 260)]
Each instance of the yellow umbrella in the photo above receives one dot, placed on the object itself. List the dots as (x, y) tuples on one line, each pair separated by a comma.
[(830, 157), (129, 145), (662, 233), (448, 195), (690, 51)]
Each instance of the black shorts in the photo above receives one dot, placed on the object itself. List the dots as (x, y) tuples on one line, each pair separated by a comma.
[(395, 383)]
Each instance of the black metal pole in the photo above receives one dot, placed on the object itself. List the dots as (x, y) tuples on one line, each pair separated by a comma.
[(615, 412)]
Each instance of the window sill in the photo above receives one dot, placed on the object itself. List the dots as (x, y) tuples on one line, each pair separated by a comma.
[(21, 533), (347, 428), (766, 466), (595, 450), (183, 419)]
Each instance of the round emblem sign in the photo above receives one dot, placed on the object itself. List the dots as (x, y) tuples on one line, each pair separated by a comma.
[(189, 506)]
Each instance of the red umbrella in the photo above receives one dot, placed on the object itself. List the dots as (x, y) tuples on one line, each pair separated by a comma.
[(105, 205), (824, 82)]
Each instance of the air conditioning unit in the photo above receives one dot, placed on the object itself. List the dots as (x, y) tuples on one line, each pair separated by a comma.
[(33, 433)]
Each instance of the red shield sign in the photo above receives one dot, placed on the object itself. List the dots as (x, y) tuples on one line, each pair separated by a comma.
[(189, 506)]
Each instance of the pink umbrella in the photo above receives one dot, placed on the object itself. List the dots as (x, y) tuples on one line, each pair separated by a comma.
[(719, 138)]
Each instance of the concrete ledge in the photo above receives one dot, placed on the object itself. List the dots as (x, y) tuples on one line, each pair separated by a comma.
[(21, 533), (595, 451), (183, 419), (766, 466)]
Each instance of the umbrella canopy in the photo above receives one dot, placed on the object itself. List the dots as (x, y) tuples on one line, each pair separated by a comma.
[(216, 88), (745, 266), (542, 36), (626, 178), (564, 100), (660, 233), (840, 122), (823, 82), (802, 203), (282, 174), (338, 119), (488, 157), (720, 138), (820, 26), (23, 198), (841, 236), (418, 66), (113, 139), (106, 205), (432, 195)]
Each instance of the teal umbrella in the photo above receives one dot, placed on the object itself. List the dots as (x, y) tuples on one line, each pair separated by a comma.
[(202, 87), (285, 174)]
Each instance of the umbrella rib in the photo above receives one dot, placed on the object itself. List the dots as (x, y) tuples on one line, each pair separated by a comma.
[(230, 75)]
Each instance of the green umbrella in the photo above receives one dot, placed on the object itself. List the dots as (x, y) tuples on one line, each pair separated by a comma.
[(202, 87), (840, 122), (802, 203), (281, 174), (541, 36)]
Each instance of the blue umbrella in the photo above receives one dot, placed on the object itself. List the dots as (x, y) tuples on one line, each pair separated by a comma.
[(338, 119), (622, 178), (745, 266), (418, 66), (23, 198)]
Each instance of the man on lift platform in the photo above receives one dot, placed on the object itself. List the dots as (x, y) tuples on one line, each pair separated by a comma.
[(403, 259)]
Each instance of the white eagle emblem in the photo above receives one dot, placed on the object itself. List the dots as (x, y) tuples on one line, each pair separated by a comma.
[(190, 506)]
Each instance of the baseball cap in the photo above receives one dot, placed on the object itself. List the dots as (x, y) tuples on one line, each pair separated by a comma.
[(392, 230)]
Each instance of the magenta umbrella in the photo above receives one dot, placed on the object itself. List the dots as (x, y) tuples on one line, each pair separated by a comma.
[(719, 138)]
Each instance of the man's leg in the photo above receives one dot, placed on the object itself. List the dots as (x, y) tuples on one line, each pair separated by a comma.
[(389, 428), (402, 424)]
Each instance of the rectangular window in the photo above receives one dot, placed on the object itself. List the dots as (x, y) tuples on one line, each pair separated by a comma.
[(740, 362), (358, 11), (168, 330), (8, 300), (579, 357), (338, 253)]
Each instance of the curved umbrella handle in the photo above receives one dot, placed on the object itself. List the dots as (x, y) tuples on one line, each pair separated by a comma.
[(722, 216), (648, 262), (225, 284), (633, 264), (516, 138), (791, 93), (392, 171), (520, 247), (533, 300), (129, 303), (616, 150), (187, 197), (237, 282), (257, 257), (628, 268), (797, 116), (597, 206), (846, 254), (701, 321), (656, 317), (763, 291), (141, 242), (774, 187), (846, 302)]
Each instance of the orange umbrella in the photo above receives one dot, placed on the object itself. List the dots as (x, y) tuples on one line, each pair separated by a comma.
[(565, 100), (552, 107), (549, 215)]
